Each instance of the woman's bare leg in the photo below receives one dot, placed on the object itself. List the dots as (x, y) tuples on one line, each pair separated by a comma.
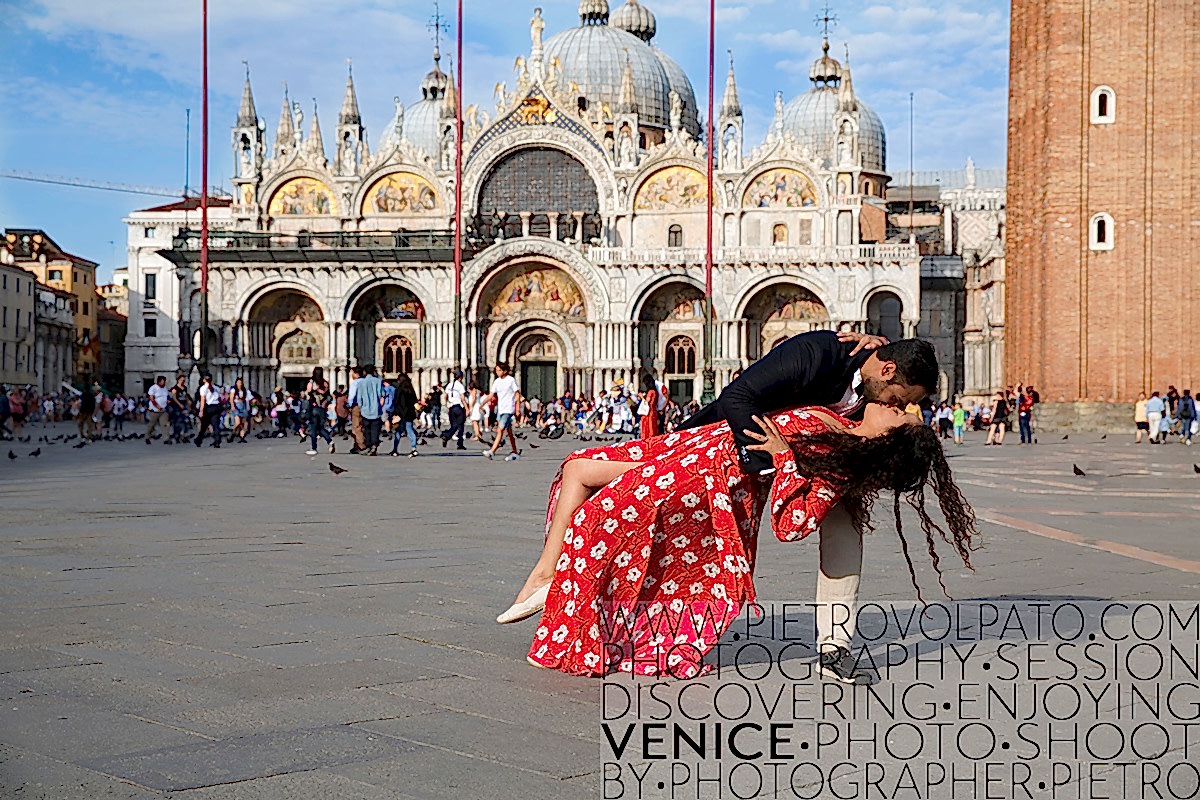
[(581, 479)]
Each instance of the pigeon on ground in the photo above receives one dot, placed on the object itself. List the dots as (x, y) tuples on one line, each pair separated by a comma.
[(1078, 471), (36, 453), (78, 446), (534, 446), (1196, 468), (1105, 436), (335, 469), (12, 456), (24, 439), (1065, 437)]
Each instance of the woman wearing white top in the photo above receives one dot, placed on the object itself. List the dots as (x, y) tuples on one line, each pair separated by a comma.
[(475, 411)]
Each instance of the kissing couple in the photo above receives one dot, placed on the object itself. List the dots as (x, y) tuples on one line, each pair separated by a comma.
[(650, 545)]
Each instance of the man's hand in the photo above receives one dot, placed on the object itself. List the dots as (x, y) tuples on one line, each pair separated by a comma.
[(771, 441), (865, 341)]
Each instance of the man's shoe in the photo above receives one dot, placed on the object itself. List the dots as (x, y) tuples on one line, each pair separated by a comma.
[(445, 441), (413, 454), (462, 446), (332, 448), (354, 451), (488, 454), (512, 456), (310, 452), (839, 665)]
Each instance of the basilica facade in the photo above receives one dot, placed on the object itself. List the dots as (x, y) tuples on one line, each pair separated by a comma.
[(583, 197)]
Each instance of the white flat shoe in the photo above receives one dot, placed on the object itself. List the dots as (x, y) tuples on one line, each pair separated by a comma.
[(526, 608)]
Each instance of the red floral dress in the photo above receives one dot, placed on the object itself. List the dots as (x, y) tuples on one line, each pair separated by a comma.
[(656, 565)]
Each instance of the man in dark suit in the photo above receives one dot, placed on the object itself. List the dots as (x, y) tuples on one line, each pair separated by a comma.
[(842, 372)]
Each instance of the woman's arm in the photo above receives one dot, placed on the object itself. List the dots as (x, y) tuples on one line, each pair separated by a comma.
[(798, 504)]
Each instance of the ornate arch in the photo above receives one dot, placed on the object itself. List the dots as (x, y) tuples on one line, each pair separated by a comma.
[(823, 293), (270, 283), (806, 169), (481, 269), (374, 176), (643, 295), (507, 337), (649, 171), (277, 182), (907, 303), (482, 161), (364, 284)]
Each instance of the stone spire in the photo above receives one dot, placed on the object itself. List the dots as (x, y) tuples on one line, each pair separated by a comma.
[(349, 114), (247, 115), (627, 104), (450, 98), (846, 99), (286, 132), (731, 106), (316, 144)]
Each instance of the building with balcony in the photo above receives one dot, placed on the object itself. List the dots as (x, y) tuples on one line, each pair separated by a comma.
[(16, 326), (584, 200)]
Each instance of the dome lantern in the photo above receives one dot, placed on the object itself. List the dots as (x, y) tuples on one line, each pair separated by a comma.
[(635, 18), (593, 12)]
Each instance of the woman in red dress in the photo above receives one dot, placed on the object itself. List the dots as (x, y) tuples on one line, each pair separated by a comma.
[(648, 410), (647, 573)]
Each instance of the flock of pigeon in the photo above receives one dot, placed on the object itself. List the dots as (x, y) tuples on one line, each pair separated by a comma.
[(64, 438)]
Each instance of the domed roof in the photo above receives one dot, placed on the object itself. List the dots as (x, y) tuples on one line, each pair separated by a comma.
[(810, 117), (422, 125), (593, 56), (680, 83), (635, 18)]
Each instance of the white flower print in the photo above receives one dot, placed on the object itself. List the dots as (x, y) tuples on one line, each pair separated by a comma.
[(577, 542), (654, 609), (591, 660), (565, 586), (690, 558), (646, 551), (599, 550), (681, 541), (580, 564), (741, 495), (700, 515), (542, 632), (707, 541), (659, 537), (580, 516), (719, 544), (677, 605), (607, 504), (600, 457), (560, 634), (629, 514), (623, 559), (641, 492), (691, 499), (665, 481), (730, 563), (594, 632), (675, 519), (666, 561), (569, 608), (633, 574), (798, 516), (610, 525), (563, 561), (696, 588), (635, 453), (672, 439), (718, 591), (670, 587), (650, 581), (647, 470), (711, 570)]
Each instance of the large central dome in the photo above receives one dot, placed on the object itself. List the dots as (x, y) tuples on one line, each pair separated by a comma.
[(593, 57)]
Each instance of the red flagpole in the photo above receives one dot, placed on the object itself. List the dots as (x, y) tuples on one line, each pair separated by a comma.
[(458, 216), (709, 390), (204, 193)]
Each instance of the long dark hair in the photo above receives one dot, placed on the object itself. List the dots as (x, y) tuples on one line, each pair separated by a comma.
[(903, 461)]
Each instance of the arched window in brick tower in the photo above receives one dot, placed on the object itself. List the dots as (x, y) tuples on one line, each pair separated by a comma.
[(1101, 232), (1103, 106)]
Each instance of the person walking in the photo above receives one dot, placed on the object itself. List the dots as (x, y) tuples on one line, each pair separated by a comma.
[(1025, 416), (177, 410), (476, 412), (999, 420), (435, 408), (239, 403), (1186, 412), (367, 397), (959, 418), (340, 411), (1140, 421), (157, 399), (456, 399), (404, 416), (648, 418), (210, 411), (1155, 410), (505, 393), (356, 424), (318, 402)]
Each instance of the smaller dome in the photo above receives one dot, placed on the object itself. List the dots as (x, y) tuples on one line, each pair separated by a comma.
[(436, 83), (825, 70), (635, 18), (593, 12), (422, 125)]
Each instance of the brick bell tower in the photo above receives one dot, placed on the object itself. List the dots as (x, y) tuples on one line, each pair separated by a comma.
[(1103, 246)]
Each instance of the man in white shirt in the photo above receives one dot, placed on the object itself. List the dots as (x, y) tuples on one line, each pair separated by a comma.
[(156, 409), (505, 395), (210, 411), (457, 410)]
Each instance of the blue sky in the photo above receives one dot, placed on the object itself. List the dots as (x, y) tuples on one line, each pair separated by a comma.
[(98, 90)]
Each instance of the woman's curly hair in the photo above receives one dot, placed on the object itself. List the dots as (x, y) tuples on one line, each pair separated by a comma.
[(904, 461)]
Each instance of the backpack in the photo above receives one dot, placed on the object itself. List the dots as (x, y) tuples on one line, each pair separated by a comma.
[(1187, 408)]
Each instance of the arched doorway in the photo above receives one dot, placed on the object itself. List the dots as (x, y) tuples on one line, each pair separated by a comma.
[(383, 316), (537, 364), (884, 311), (779, 312), (286, 339), (670, 326)]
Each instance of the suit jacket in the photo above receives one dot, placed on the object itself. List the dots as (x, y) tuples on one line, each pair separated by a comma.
[(812, 369)]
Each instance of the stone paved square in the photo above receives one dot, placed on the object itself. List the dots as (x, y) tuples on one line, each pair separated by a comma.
[(192, 624)]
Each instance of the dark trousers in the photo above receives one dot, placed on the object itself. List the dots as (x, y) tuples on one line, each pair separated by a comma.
[(210, 418), (1024, 420), (458, 423), (371, 428)]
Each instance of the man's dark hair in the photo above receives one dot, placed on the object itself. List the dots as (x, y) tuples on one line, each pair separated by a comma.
[(916, 363)]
